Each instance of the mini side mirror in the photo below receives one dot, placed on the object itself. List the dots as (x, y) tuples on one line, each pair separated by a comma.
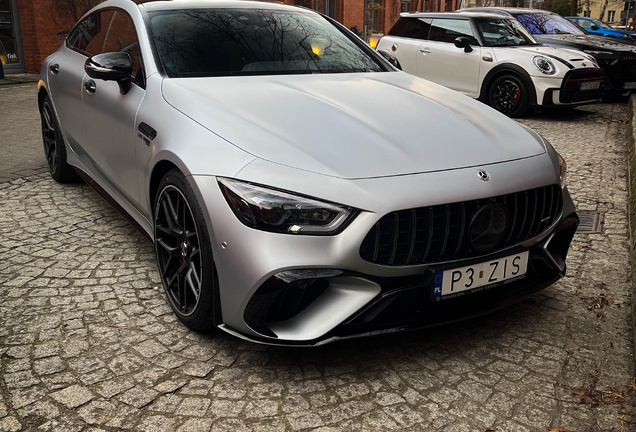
[(114, 66), (463, 42), (594, 27), (390, 58)]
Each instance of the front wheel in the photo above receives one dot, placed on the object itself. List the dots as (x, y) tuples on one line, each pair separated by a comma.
[(184, 253), (509, 95)]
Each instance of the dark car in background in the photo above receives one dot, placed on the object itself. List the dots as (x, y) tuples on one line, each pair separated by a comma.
[(616, 59)]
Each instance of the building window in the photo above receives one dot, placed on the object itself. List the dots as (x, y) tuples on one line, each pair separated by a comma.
[(10, 47), (610, 16), (371, 16), (405, 6), (587, 13), (327, 7)]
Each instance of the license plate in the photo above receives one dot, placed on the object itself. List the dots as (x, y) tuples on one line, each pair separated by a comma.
[(449, 283), (591, 85), (629, 85)]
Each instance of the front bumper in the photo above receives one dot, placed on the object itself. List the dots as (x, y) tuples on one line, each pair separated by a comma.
[(310, 290), (567, 91)]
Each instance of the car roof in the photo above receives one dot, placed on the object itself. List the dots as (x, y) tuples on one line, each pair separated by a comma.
[(221, 4), (456, 15), (511, 10)]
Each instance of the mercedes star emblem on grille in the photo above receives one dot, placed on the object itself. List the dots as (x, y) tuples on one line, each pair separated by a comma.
[(488, 227)]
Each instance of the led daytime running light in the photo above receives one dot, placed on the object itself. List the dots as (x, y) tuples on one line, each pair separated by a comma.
[(272, 210)]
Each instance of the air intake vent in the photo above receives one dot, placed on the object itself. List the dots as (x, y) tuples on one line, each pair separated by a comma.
[(443, 232)]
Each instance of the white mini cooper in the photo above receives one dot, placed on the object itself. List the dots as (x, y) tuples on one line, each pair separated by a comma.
[(492, 58)]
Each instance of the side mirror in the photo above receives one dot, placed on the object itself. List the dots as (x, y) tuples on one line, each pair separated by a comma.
[(63, 33), (594, 27), (390, 58), (115, 66), (463, 42)]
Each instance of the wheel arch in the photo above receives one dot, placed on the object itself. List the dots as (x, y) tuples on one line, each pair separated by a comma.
[(42, 92), (160, 169), (506, 69)]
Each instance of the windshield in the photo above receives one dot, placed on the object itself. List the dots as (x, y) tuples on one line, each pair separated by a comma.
[(504, 32), (601, 24), (223, 42), (548, 23)]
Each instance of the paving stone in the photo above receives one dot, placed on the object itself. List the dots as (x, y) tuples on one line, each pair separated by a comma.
[(73, 396)]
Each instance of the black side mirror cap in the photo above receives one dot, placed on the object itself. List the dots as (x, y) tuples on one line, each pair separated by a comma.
[(594, 27), (115, 66), (63, 33), (390, 58), (463, 42)]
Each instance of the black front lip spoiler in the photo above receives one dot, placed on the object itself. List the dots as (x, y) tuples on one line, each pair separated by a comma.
[(400, 329)]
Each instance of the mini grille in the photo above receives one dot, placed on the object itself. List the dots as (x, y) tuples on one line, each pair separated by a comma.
[(440, 233)]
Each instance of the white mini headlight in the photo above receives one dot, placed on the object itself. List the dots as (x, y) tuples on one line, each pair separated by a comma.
[(544, 65), (272, 210)]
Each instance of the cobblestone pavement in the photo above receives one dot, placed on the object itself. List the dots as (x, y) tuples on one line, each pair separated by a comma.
[(88, 342), (20, 137)]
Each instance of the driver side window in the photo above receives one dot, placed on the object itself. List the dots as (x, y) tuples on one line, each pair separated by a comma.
[(447, 30), (122, 37), (585, 24), (88, 36)]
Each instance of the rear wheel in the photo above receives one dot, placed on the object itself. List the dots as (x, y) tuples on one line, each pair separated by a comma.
[(54, 149), (184, 253), (509, 95)]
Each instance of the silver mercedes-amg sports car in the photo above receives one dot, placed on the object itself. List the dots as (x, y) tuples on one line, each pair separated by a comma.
[(298, 188)]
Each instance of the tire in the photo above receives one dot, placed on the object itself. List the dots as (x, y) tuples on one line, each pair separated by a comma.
[(54, 148), (184, 253), (509, 95)]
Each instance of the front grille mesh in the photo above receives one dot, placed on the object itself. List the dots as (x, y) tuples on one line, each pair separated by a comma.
[(627, 66), (440, 233)]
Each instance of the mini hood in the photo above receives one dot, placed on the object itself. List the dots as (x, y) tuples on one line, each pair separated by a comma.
[(352, 125)]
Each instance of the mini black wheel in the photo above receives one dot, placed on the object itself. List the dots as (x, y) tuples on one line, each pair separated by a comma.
[(509, 95), (184, 253), (54, 148)]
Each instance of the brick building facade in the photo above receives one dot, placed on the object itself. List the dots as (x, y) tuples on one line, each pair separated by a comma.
[(29, 28)]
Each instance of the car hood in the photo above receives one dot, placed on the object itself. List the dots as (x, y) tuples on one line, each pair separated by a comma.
[(584, 42), (550, 51), (352, 125)]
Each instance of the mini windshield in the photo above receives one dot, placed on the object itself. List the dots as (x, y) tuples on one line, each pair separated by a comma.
[(224, 42), (504, 32), (547, 23)]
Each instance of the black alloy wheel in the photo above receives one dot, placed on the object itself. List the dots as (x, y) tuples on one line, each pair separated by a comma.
[(509, 96), (184, 254), (54, 149)]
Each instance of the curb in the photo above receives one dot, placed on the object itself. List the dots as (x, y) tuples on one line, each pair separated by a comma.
[(19, 79), (631, 169)]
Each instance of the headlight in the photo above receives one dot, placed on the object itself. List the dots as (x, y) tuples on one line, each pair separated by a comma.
[(563, 170), (272, 210), (626, 36), (598, 52), (544, 65)]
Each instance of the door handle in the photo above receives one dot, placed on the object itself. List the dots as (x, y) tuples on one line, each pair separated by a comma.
[(425, 50), (90, 87), (55, 69)]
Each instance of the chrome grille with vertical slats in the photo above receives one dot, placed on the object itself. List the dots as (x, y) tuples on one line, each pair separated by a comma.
[(441, 233)]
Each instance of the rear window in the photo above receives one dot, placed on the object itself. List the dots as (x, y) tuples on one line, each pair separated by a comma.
[(414, 28), (225, 42)]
